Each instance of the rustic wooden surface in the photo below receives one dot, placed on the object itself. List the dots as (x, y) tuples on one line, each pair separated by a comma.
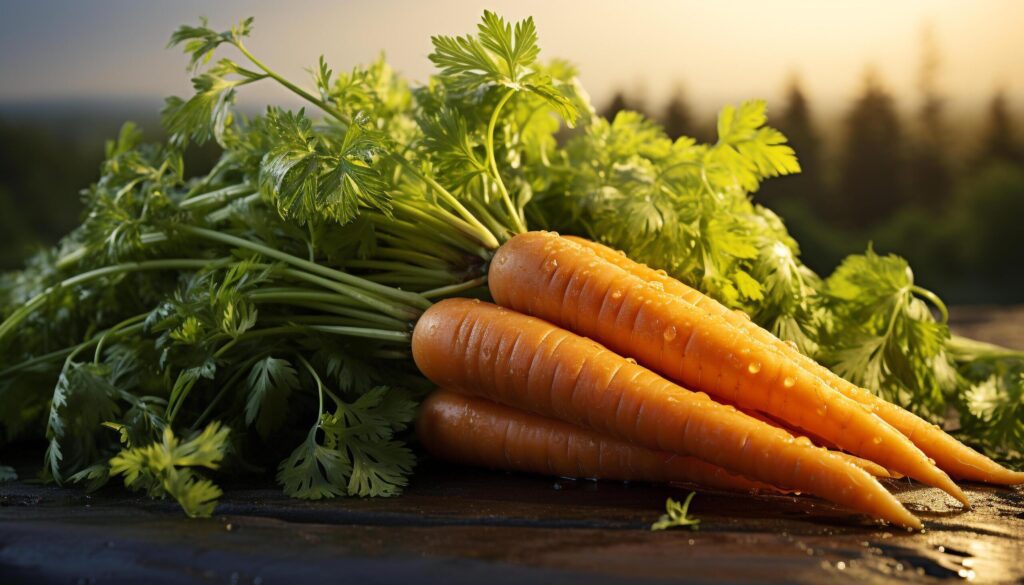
[(457, 525)]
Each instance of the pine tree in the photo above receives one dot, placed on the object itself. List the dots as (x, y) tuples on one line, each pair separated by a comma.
[(871, 164), (678, 119), (998, 143), (930, 174), (796, 121), (616, 105)]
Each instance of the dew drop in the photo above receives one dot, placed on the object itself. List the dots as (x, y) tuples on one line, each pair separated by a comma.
[(656, 285), (792, 344), (931, 461), (745, 351), (551, 264), (661, 272), (803, 441), (841, 566), (620, 252), (670, 333), (788, 382), (616, 294), (876, 440), (631, 360), (754, 367)]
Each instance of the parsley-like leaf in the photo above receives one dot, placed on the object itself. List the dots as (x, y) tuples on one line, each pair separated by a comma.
[(676, 515)]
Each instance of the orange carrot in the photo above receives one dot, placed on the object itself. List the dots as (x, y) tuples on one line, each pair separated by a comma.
[(868, 466), (950, 455), (567, 284), (520, 361), (474, 431)]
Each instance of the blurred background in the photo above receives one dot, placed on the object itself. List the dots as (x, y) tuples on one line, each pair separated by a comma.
[(908, 117)]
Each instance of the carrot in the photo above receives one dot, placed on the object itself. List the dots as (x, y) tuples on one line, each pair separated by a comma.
[(474, 431), (950, 455), (868, 466), (480, 349), (556, 279)]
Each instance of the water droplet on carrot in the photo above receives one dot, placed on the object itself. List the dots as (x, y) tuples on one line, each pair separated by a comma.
[(931, 461), (661, 272), (551, 265), (803, 441), (745, 350), (792, 344), (754, 367), (788, 382), (741, 313), (616, 294), (876, 440), (620, 252), (670, 333), (631, 360), (656, 285)]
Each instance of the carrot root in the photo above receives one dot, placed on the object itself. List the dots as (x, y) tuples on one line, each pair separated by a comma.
[(534, 272), (526, 363), (474, 431), (950, 455)]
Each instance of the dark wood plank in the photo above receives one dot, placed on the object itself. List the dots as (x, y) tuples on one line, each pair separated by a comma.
[(457, 525)]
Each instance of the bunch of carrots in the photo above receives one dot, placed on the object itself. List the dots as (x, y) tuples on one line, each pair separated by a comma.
[(592, 365)]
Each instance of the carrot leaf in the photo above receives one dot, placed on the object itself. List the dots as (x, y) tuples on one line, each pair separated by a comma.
[(677, 515)]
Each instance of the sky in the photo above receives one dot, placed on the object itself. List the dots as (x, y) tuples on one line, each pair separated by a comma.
[(719, 51)]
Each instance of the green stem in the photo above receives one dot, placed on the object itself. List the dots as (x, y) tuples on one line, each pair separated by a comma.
[(486, 238), (398, 267), (514, 216), (401, 279), (310, 300), (224, 388), (396, 225), (113, 331), (411, 299), (66, 351), (15, 319), (216, 197), (294, 88), (933, 299), (446, 222), (455, 289), (402, 337), (496, 226), (418, 258), (388, 308), (964, 349)]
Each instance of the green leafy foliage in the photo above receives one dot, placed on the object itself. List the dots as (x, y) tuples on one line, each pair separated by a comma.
[(992, 408), (165, 468), (677, 515), (271, 381), (351, 451), (884, 337)]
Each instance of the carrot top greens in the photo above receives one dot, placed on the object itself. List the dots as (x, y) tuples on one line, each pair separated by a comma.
[(257, 317)]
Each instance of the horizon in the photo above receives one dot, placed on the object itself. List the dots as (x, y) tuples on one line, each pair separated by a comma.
[(114, 50)]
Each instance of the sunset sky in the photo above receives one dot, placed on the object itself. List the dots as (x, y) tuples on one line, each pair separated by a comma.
[(720, 51)]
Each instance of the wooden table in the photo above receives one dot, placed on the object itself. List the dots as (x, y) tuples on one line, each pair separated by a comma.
[(457, 525)]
